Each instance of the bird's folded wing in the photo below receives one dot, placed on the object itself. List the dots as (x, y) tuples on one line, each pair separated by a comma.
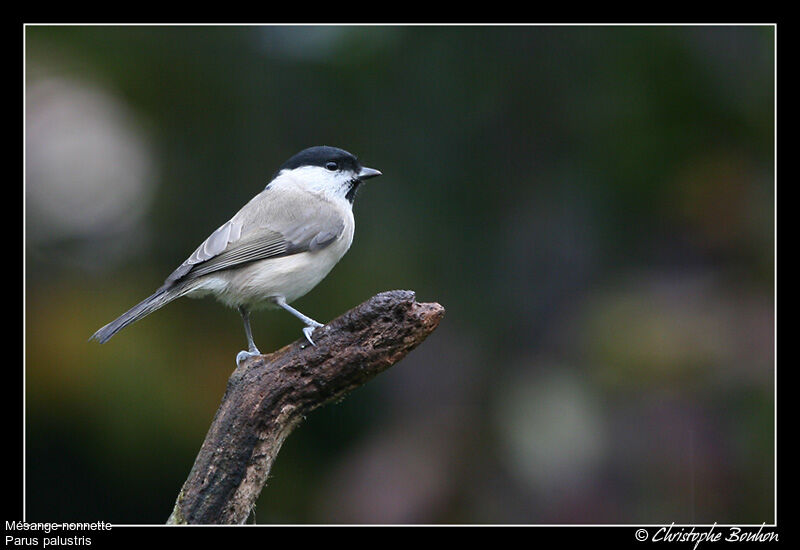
[(244, 239)]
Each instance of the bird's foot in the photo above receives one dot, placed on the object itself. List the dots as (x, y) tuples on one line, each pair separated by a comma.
[(245, 355), (309, 330)]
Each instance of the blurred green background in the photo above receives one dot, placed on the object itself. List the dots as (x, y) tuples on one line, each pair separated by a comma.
[(593, 205)]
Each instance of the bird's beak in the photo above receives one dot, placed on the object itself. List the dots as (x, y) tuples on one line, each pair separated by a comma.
[(367, 173)]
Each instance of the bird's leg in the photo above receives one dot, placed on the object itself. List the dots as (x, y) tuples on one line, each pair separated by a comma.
[(252, 350), (311, 324)]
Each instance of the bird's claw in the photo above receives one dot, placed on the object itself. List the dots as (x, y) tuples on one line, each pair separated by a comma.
[(308, 331), (245, 355)]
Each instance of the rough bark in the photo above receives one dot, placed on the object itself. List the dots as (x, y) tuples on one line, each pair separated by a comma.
[(268, 395)]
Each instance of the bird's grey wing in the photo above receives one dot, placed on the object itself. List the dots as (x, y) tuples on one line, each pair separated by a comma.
[(216, 243), (240, 241)]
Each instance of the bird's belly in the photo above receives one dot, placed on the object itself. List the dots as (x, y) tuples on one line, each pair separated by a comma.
[(291, 277)]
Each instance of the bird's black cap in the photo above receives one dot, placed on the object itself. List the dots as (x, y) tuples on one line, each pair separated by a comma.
[(321, 155)]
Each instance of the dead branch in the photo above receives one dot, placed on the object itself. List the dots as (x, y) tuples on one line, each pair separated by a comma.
[(268, 396)]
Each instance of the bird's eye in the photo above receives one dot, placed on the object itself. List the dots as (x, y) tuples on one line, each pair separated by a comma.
[(332, 166)]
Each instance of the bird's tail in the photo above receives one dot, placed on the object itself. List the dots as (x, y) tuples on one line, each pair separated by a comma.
[(158, 299)]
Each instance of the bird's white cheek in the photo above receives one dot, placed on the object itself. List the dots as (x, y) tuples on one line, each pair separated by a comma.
[(317, 180)]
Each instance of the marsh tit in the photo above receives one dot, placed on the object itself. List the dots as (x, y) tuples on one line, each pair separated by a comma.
[(278, 247)]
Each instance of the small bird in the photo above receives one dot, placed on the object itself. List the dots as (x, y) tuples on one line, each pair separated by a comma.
[(275, 249)]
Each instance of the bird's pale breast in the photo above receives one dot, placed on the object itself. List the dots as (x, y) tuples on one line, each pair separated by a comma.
[(288, 276)]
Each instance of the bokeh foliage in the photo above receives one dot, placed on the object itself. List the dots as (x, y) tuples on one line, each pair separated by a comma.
[(594, 206)]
